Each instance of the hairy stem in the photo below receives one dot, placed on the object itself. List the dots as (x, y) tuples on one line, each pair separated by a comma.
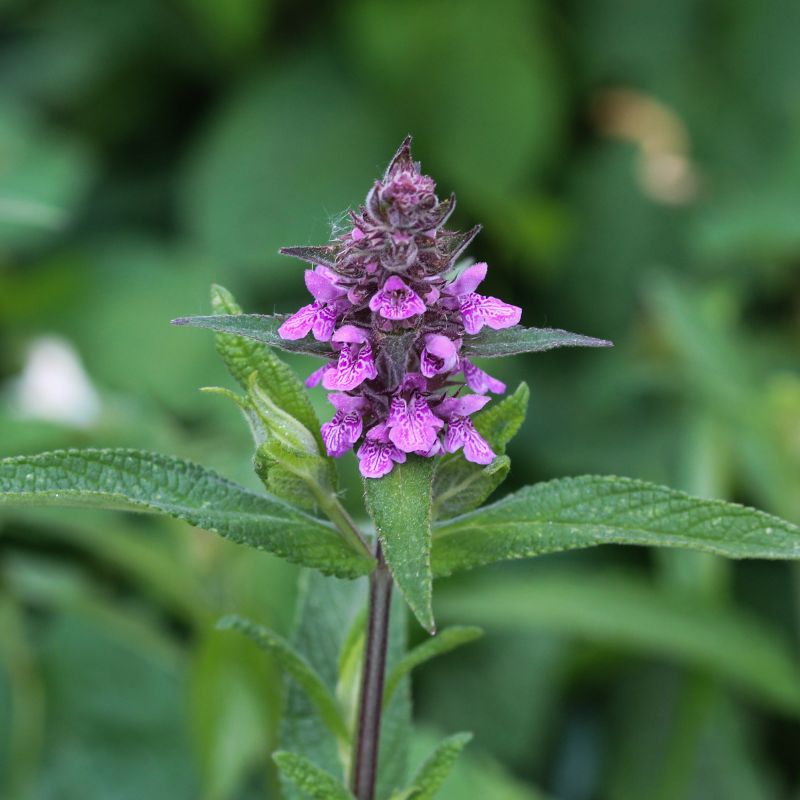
[(365, 767), (338, 515)]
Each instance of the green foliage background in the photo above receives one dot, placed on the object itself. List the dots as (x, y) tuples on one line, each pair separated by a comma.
[(637, 170)]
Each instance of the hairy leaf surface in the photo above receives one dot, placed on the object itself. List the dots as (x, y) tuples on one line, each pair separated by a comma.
[(140, 481), (518, 339), (590, 510), (309, 778), (260, 327), (400, 505)]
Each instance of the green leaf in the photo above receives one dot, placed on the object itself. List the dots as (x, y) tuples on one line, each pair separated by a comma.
[(512, 341), (259, 327), (309, 778), (625, 611), (459, 485), (244, 357), (589, 510), (431, 775), (400, 505), (133, 480), (443, 642), (296, 666)]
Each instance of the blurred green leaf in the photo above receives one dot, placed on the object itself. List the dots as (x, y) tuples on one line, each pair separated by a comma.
[(247, 189), (582, 512), (400, 506), (260, 327), (297, 667), (132, 480), (619, 610), (309, 778), (444, 641), (512, 341), (232, 712), (43, 178), (489, 121)]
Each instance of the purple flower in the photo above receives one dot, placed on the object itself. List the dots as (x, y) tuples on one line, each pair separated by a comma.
[(439, 355), (317, 317), (461, 432), (480, 381), (344, 430), (355, 364), (476, 309), (377, 455), (413, 427), (396, 301), (385, 298)]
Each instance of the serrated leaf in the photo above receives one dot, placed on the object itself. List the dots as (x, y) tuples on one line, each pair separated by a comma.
[(309, 778), (259, 327), (518, 339), (298, 667), (459, 485), (140, 481), (443, 642), (589, 510), (625, 611), (323, 255), (433, 772), (244, 358), (400, 506)]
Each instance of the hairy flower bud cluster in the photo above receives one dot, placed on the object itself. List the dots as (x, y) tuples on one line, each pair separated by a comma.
[(389, 299)]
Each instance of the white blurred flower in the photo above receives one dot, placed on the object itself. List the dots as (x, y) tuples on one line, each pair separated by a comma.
[(54, 386)]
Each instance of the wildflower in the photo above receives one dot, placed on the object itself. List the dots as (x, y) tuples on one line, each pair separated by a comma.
[(388, 298)]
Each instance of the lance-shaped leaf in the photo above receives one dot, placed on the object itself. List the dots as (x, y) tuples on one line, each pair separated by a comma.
[(324, 256), (260, 327), (244, 357), (511, 341), (298, 667), (309, 778), (590, 510), (433, 772), (400, 506), (443, 642), (139, 481), (459, 485)]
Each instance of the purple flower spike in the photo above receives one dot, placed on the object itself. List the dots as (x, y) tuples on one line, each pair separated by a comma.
[(396, 301), (377, 455), (438, 355), (413, 427), (394, 307), (479, 381)]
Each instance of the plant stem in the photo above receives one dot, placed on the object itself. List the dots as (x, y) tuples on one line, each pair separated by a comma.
[(365, 768), (338, 515)]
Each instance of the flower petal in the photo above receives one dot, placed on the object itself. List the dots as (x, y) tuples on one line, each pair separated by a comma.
[(480, 381), (342, 432), (412, 425), (438, 355), (478, 310), (377, 458), (468, 281), (320, 282), (355, 365), (300, 323), (396, 301)]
